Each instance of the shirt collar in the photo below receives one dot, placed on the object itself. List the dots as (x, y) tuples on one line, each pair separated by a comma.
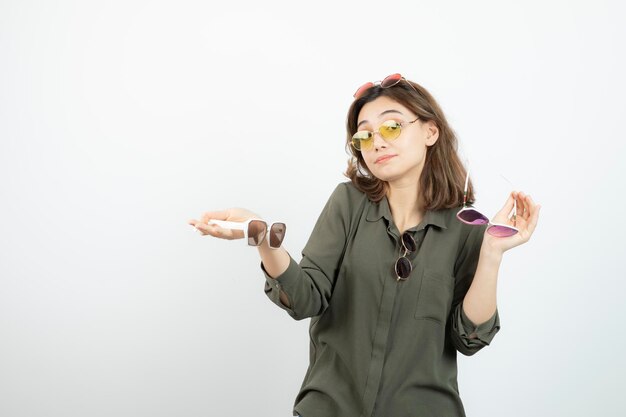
[(381, 209)]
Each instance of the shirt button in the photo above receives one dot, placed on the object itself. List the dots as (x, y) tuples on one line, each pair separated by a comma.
[(473, 335)]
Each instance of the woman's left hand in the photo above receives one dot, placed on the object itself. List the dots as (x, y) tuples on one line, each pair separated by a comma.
[(525, 222)]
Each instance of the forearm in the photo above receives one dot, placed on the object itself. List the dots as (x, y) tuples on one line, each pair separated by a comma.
[(479, 303), (275, 262)]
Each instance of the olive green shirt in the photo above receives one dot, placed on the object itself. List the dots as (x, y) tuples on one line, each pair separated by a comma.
[(382, 347)]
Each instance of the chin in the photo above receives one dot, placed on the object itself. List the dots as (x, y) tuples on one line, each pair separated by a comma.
[(385, 177), (395, 173)]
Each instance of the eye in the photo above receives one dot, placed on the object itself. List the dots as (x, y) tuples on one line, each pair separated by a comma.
[(362, 140), (390, 125), (362, 135)]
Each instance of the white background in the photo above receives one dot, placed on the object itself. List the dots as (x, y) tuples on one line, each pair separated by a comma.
[(122, 120)]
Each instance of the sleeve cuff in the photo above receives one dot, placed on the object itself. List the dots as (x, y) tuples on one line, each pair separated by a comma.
[(484, 331), (471, 337), (284, 282)]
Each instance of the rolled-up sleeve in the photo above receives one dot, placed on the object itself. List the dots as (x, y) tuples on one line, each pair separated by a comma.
[(467, 337), (309, 284)]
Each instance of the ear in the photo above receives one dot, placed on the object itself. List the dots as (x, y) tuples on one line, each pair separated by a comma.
[(432, 133)]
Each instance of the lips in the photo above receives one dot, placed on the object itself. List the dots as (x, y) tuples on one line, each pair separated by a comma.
[(383, 158)]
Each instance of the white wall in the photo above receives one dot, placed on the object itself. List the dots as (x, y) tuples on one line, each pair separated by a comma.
[(121, 120)]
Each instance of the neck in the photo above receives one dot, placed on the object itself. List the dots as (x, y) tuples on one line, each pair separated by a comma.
[(405, 204)]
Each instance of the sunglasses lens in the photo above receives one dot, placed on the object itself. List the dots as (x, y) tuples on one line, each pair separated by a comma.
[(390, 129), (501, 231), (391, 80), (256, 232), (362, 140), (409, 242), (403, 268), (362, 89), (471, 216), (277, 234)]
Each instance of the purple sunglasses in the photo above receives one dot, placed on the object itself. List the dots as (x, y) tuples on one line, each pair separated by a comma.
[(470, 215)]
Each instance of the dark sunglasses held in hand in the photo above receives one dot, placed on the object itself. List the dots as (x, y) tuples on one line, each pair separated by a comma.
[(255, 231)]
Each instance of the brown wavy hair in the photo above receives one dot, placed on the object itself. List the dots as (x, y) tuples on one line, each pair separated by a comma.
[(442, 179)]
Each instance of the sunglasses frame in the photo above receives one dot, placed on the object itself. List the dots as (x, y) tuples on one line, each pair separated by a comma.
[(491, 227), (406, 252), (388, 81), (244, 226), (371, 134)]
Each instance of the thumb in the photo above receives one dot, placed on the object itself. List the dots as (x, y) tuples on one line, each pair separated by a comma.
[(506, 209)]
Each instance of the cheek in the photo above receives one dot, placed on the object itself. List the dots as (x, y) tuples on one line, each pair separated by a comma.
[(368, 161)]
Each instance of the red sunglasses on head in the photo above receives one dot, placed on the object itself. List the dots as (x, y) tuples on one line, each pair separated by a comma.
[(389, 81)]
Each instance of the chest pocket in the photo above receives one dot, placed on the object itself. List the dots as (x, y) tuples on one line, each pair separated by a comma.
[(434, 298)]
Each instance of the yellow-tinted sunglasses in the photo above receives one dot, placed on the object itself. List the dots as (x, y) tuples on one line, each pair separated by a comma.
[(363, 140)]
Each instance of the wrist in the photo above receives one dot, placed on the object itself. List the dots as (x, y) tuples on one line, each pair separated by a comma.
[(490, 254), (264, 247)]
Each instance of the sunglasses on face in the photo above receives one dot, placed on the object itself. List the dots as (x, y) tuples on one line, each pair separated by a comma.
[(469, 215), (256, 230), (389, 81), (363, 140), (403, 264)]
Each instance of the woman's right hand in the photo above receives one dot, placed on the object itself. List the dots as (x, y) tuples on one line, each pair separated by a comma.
[(235, 214)]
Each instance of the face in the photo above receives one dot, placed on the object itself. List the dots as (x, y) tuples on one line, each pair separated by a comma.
[(400, 159)]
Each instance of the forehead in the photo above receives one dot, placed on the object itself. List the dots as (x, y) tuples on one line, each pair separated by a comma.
[(372, 110)]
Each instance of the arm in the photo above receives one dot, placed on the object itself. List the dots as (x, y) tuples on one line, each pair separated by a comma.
[(275, 263), (468, 337), (475, 322), (480, 302), (303, 290)]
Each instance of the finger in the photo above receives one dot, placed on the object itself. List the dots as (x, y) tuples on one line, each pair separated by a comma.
[(534, 217), (502, 215), (508, 206), (519, 202), (212, 230), (192, 223), (221, 232), (523, 207), (529, 206)]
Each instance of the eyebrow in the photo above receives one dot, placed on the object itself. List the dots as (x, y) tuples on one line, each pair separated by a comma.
[(382, 114)]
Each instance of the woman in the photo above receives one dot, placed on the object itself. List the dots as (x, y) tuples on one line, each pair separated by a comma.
[(393, 277)]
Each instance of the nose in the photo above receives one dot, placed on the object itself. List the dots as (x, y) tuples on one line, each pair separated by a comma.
[(378, 141)]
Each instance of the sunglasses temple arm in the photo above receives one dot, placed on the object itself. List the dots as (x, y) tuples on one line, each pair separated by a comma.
[(465, 189), (229, 225), (411, 85)]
